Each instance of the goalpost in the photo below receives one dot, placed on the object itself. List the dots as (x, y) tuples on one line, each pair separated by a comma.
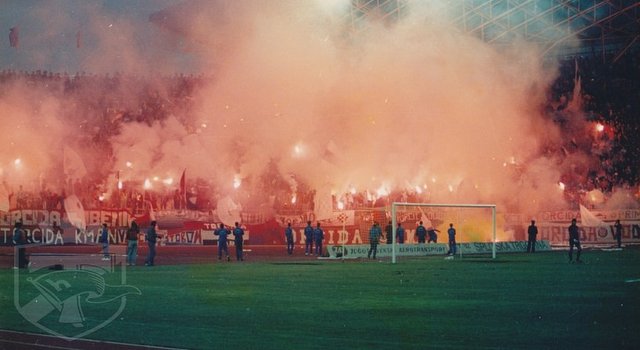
[(396, 206)]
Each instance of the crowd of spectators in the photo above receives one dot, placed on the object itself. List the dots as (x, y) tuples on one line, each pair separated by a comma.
[(607, 125), (609, 97), (99, 105)]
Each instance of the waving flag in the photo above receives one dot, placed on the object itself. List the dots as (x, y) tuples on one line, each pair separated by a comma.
[(13, 37), (228, 211), (75, 212), (426, 222), (183, 183), (183, 190), (588, 219)]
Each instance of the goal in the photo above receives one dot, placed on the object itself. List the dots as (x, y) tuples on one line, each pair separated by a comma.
[(475, 224)]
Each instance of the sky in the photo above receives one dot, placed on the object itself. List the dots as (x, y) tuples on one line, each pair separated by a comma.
[(414, 105)]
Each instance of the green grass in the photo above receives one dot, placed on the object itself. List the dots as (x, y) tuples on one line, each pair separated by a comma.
[(517, 301)]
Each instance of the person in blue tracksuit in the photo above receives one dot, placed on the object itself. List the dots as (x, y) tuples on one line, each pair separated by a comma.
[(238, 232), (151, 236), (388, 230), (104, 239), (288, 235), (452, 240), (421, 232), (308, 239), (400, 233), (222, 234), (432, 233), (318, 236)]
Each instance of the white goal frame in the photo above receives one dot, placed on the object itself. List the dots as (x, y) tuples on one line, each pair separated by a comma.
[(394, 223)]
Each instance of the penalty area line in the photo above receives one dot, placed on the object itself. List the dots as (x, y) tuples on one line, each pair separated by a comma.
[(45, 341), (29, 345), (633, 280)]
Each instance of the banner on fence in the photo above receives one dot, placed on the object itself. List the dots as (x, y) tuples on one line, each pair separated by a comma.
[(347, 227), (386, 250)]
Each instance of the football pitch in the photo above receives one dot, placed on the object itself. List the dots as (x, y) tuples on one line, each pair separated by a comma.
[(517, 301)]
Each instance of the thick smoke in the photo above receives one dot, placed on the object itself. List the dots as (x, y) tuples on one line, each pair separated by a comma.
[(411, 105)]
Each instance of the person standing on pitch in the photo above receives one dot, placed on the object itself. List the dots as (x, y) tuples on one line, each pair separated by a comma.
[(288, 236), (104, 239), (618, 233), (400, 233), (308, 239), (222, 234), (238, 232), (374, 236), (452, 240), (421, 233), (433, 236), (574, 240), (132, 243), (532, 232), (318, 236), (389, 231), (151, 236), (20, 241)]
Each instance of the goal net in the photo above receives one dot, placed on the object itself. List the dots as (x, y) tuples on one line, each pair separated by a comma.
[(474, 224)]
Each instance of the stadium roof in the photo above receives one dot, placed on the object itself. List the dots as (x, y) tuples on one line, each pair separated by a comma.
[(560, 27)]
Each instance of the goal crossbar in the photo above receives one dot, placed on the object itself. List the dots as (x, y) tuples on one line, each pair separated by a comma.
[(395, 205)]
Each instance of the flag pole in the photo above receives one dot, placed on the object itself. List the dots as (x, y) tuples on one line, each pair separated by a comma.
[(183, 189)]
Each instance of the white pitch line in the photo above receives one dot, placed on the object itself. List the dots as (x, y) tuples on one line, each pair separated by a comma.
[(635, 280), (77, 342)]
